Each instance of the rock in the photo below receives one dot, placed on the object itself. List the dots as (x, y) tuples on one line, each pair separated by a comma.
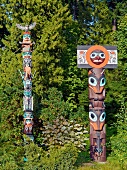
[(72, 133), (65, 132), (63, 128), (48, 136), (76, 142), (47, 131), (61, 118), (69, 128), (78, 128), (59, 134), (54, 126), (77, 125), (79, 133), (72, 139), (72, 121), (65, 123)]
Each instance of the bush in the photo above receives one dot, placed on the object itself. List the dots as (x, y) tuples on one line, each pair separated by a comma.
[(63, 158), (119, 141)]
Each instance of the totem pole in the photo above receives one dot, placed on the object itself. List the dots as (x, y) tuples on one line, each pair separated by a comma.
[(27, 80), (96, 58)]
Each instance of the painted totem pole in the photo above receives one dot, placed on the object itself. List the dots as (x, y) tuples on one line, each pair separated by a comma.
[(27, 80), (97, 58)]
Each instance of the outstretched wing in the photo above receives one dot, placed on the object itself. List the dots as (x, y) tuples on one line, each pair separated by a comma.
[(20, 27), (31, 26)]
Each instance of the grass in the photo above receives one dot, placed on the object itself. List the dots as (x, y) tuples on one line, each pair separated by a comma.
[(109, 165)]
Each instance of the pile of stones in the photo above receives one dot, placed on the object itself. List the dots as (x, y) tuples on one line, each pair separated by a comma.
[(63, 131)]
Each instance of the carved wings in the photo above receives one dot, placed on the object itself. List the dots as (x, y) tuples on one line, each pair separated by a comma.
[(27, 27), (31, 26)]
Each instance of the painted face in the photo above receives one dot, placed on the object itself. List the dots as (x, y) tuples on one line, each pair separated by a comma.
[(26, 37), (28, 115), (97, 57), (27, 84), (27, 93), (27, 62), (27, 54), (96, 80), (97, 118)]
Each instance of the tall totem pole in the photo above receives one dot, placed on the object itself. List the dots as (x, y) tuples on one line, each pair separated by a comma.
[(96, 58), (27, 80)]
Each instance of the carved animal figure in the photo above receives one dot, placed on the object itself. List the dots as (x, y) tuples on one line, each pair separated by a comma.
[(97, 114), (27, 62), (28, 126), (27, 27), (96, 88), (28, 74)]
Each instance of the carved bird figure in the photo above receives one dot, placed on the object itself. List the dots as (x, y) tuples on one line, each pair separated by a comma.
[(27, 27)]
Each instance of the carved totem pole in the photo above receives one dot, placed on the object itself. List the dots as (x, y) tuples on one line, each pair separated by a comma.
[(97, 58), (27, 80)]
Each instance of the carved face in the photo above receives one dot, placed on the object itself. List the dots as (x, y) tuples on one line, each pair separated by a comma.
[(27, 84), (96, 80), (27, 54), (28, 115), (26, 37), (97, 57), (27, 93), (97, 118), (28, 126), (27, 62)]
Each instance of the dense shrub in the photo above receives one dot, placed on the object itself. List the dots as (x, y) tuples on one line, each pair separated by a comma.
[(119, 141), (63, 131), (55, 158)]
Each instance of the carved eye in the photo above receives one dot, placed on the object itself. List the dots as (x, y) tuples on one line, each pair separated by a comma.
[(102, 117), (93, 55), (93, 116), (92, 81), (24, 36), (102, 55), (102, 81)]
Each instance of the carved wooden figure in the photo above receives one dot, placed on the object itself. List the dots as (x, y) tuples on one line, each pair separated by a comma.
[(97, 58), (27, 79)]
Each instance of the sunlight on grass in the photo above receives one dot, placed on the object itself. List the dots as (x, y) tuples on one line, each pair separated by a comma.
[(109, 165)]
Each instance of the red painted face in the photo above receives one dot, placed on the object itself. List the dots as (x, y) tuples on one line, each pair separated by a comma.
[(97, 57)]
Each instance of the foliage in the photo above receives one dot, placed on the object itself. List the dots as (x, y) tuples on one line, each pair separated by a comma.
[(63, 131), (118, 142), (36, 158), (60, 88), (109, 165), (53, 106)]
